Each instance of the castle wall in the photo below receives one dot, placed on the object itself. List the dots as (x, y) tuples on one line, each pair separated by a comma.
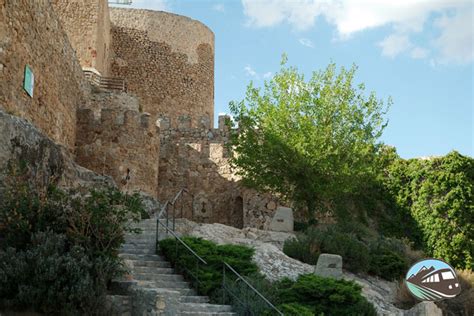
[(197, 159), (115, 139), (87, 24), (31, 34), (167, 61)]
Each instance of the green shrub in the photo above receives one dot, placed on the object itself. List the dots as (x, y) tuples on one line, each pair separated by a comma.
[(439, 195), (324, 295), (361, 251), (59, 250), (210, 275), (52, 279), (387, 258), (294, 309)]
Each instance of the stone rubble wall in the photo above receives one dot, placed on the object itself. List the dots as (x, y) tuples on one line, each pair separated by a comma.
[(87, 23), (119, 141), (167, 61), (198, 159), (31, 34)]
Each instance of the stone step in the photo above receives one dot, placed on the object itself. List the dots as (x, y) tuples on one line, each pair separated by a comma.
[(138, 251), (207, 308), (194, 299), (158, 277), (163, 284), (155, 270), (145, 257), (149, 263)]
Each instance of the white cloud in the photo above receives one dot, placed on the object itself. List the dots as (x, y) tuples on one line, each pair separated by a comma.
[(219, 7), (306, 42), (267, 75), (301, 14), (251, 72), (405, 17), (394, 44), (456, 42), (419, 53)]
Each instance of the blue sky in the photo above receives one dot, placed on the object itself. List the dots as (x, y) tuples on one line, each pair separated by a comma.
[(419, 52)]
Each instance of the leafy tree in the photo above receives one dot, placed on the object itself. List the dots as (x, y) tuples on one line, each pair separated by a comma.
[(307, 140)]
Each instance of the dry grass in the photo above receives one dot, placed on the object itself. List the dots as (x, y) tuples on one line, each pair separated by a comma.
[(463, 304), (404, 299)]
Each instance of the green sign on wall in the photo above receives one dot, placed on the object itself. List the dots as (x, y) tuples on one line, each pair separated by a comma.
[(29, 82)]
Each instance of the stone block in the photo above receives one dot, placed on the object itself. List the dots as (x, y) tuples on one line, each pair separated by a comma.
[(282, 220), (329, 266)]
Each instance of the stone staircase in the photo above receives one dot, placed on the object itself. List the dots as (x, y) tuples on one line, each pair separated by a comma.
[(152, 272)]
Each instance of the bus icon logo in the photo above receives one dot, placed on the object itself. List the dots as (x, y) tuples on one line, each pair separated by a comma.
[(432, 280)]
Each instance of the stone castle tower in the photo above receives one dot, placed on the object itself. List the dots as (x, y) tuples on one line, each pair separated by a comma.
[(154, 131)]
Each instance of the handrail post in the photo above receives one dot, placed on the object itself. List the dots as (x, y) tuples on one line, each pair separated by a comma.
[(223, 284)]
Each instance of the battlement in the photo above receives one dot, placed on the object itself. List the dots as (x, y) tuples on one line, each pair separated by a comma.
[(183, 124), (121, 143), (113, 119)]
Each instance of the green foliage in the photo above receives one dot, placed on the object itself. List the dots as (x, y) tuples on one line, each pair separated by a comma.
[(294, 309), (438, 194), (58, 250), (210, 275), (307, 140), (361, 251), (325, 296)]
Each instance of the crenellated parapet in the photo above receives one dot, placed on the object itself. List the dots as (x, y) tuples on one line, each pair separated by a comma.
[(121, 143), (205, 141)]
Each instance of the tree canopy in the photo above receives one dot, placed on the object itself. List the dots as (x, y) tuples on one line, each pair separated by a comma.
[(307, 140)]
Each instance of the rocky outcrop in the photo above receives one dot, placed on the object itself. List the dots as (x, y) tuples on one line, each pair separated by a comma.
[(275, 265), (46, 163)]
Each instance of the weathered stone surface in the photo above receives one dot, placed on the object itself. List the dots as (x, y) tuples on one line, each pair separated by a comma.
[(167, 61), (191, 158), (47, 162), (31, 34), (424, 309), (275, 265), (329, 266), (283, 220), (87, 24), (114, 138)]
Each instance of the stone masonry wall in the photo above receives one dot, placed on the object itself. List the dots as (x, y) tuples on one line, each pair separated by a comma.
[(87, 23), (31, 34), (115, 139), (167, 61), (197, 159)]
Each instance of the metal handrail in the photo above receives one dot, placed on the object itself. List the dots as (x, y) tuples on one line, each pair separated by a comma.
[(239, 277), (225, 264), (105, 82)]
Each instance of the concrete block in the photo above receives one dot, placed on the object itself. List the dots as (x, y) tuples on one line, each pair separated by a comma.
[(282, 220), (329, 266)]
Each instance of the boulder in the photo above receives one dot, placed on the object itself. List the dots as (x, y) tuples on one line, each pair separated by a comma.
[(47, 163), (329, 266), (282, 220), (424, 309)]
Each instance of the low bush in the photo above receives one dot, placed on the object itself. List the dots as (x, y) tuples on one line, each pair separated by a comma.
[(294, 309), (325, 296), (361, 251), (210, 275), (59, 250)]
